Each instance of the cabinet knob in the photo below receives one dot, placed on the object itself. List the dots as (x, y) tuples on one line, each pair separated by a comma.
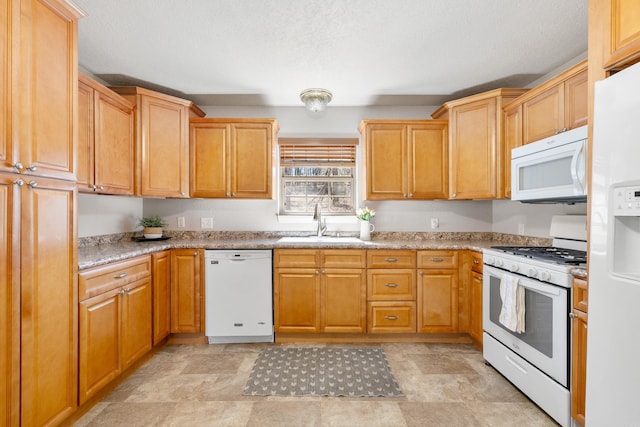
[(195, 254), (182, 193), (404, 195), (121, 292), (19, 166), (127, 290), (317, 272), (421, 273), (233, 194), (228, 194), (93, 187), (475, 262), (101, 187), (391, 317), (32, 168), (19, 182), (453, 195), (410, 195), (32, 184)]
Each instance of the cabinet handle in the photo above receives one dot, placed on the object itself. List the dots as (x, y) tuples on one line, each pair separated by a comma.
[(19, 182), (475, 262), (32, 168), (19, 166), (391, 285), (437, 259), (391, 259), (32, 184), (121, 275), (391, 317)]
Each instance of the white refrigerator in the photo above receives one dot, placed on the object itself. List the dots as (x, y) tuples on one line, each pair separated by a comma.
[(613, 335)]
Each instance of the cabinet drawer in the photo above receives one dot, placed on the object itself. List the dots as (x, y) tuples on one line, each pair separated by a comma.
[(297, 258), (391, 317), (344, 258), (97, 280), (391, 284), (476, 262), (437, 259), (580, 294), (391, 259)]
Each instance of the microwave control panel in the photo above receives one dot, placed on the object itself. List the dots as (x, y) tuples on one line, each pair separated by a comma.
[(626, 200)]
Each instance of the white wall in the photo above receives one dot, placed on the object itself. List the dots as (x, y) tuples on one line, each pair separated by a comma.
[(100, 215), (536, 218)]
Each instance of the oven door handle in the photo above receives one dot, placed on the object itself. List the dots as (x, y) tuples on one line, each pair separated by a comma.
[(546, 289)]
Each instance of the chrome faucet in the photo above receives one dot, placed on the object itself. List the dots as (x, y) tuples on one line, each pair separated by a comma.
[(317, 216)]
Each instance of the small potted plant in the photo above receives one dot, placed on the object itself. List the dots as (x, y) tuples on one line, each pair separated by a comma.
[(152, 226)]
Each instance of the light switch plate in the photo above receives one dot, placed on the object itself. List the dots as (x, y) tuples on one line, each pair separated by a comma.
[(434, 223), (181, 222), (206, 223)]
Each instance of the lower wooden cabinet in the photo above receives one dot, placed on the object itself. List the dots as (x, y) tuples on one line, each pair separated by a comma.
[(187, 283), (161, 279), (475, 324), (115, 325), (579, 350), (320, 291), (437, 291)]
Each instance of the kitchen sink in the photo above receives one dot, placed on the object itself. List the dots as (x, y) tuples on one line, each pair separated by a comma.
[(322, 239)]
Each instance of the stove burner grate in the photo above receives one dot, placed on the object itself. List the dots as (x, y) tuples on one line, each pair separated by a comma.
[(547, 253)]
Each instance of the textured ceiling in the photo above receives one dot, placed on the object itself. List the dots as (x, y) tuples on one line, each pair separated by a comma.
[(367, 52)]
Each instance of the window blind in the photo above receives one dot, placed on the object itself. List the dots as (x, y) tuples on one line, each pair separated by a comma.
[(320, 152)]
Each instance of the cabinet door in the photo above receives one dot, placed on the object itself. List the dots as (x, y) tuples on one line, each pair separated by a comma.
[(438, 301), (84, 170), (543, 115), (578, 365), (428, 161), (9, 301), (164, 147), (209, 159), (251, 158), (161, 277), (624, 42), (475, 328), (512, 139), (343, 301), (49, 301), (296, 296), (472, 169), (48, 88), (386, 161), (114, 145), (576, 100), (99, 356), (136, 321), (186, 291)]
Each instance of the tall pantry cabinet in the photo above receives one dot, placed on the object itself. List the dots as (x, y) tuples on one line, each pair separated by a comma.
[(38, 266)]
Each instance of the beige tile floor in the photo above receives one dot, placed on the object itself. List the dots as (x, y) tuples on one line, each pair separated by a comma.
[(201, 385)]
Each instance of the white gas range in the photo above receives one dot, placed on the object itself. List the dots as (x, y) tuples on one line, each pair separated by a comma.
[(535, 356)]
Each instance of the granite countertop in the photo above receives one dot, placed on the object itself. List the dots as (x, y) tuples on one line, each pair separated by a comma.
[(102, 250)]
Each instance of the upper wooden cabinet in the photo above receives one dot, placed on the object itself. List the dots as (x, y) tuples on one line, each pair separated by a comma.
[(232, 157), (476, 143), (622, 41), (105, 140), (162, 141), (512, 125), (405, 159), (555, 106), (38, 47)]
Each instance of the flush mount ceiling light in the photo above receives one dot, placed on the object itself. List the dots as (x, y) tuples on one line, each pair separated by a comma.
[(316, 99)]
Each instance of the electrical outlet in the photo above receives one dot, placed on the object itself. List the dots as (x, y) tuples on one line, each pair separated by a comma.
[(521, 229), (181, 222), (206, 223), (434, 223)]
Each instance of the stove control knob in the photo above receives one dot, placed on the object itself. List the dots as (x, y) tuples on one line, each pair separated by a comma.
[(489, 260), (532, 272), (545, 275), (498, 263), (514, 267)]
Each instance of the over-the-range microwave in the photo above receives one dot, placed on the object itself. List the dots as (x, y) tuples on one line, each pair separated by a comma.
[(552, 170)]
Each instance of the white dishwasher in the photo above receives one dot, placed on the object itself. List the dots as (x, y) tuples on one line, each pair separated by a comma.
[(238, 296)]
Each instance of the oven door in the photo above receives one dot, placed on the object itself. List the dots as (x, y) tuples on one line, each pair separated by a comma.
[(544, 343)]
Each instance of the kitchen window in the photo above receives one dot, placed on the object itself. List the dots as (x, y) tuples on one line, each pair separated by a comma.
[(316, 171)]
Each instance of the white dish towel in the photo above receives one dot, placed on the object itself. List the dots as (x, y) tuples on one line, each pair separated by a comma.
[(512, 311)]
